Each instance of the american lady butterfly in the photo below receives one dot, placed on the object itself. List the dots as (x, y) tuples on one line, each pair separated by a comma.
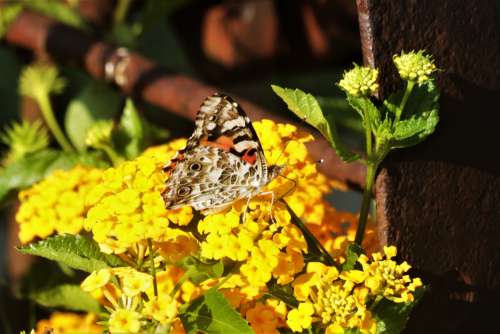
[(222, 162)]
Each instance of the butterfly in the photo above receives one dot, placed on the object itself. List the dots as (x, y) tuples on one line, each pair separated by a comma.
[(223, 160)]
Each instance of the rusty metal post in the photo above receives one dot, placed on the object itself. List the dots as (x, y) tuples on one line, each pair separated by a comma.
[(440, 201)]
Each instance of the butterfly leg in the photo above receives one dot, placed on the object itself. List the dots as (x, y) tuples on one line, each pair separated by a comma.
[(246, 208), (272, 203)]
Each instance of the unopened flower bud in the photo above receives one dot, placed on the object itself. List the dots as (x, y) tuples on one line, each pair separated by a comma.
[(415, 66), (360, 81)]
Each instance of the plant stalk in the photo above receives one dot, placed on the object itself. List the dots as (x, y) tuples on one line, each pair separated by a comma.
[(409, 89), (48, 115), (112, 155), (365, 204), (153, 269), (121, 10)]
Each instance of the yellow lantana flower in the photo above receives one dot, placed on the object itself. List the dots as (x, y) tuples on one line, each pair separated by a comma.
[(126, 208), (124, 321), (263, 319), (300, 318), (56, 204), (162, 308), (96, 280), (66, 322), (387, 278)]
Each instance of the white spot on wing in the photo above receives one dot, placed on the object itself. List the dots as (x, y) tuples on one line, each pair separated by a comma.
[(237, 122), (245, 144)]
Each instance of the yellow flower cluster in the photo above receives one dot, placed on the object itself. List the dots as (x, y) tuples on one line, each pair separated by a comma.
[(285, 144), (68, 323), (360, 81), (56, 204), (129, 297), (341, 300), (126, 207), (384, 277), (414, 66)]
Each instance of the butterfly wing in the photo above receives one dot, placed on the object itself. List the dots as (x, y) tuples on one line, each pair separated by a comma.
[(223, 159)]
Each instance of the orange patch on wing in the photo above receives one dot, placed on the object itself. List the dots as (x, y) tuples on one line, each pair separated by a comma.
[(173, 163), (251, 158), (223, 142)]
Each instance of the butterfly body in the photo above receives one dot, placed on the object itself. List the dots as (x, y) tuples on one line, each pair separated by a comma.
[(222, 162)]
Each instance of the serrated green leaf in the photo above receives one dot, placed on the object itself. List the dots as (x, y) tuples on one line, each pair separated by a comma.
[(201, 271), (392, 317), (366, 109), (420, 116), (32, 168), (306, 107), (68, 296), (75, 251), (96, 101), (212, 314)]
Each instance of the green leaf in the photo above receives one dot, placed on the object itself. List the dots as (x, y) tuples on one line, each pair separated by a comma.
[(392, 103), (306, 107), (212, 314), (353, 252), (316, 252), (48, 285), (96, 101), (419, 118), (59, 11), (75, 251), (68, 296), (341, 111), (8, 14), (392, 317), (366, 109), (201, 271), (32, 168), (135, 133), (131, 133)]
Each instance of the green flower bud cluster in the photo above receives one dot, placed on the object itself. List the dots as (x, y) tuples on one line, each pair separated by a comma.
[(40, 80), (360, 81), (414, 66), (24, 138)]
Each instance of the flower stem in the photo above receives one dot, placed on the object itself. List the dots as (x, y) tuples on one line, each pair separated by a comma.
[(409, 88), (48, 115), (121, 10), (365, 205), (112, 155), (153, 269)]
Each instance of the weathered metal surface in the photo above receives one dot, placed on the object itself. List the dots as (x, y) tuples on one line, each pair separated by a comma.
[(145, 80), (440, 201)]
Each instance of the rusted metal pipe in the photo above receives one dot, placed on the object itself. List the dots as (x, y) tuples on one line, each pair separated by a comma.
[(144, 79)]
